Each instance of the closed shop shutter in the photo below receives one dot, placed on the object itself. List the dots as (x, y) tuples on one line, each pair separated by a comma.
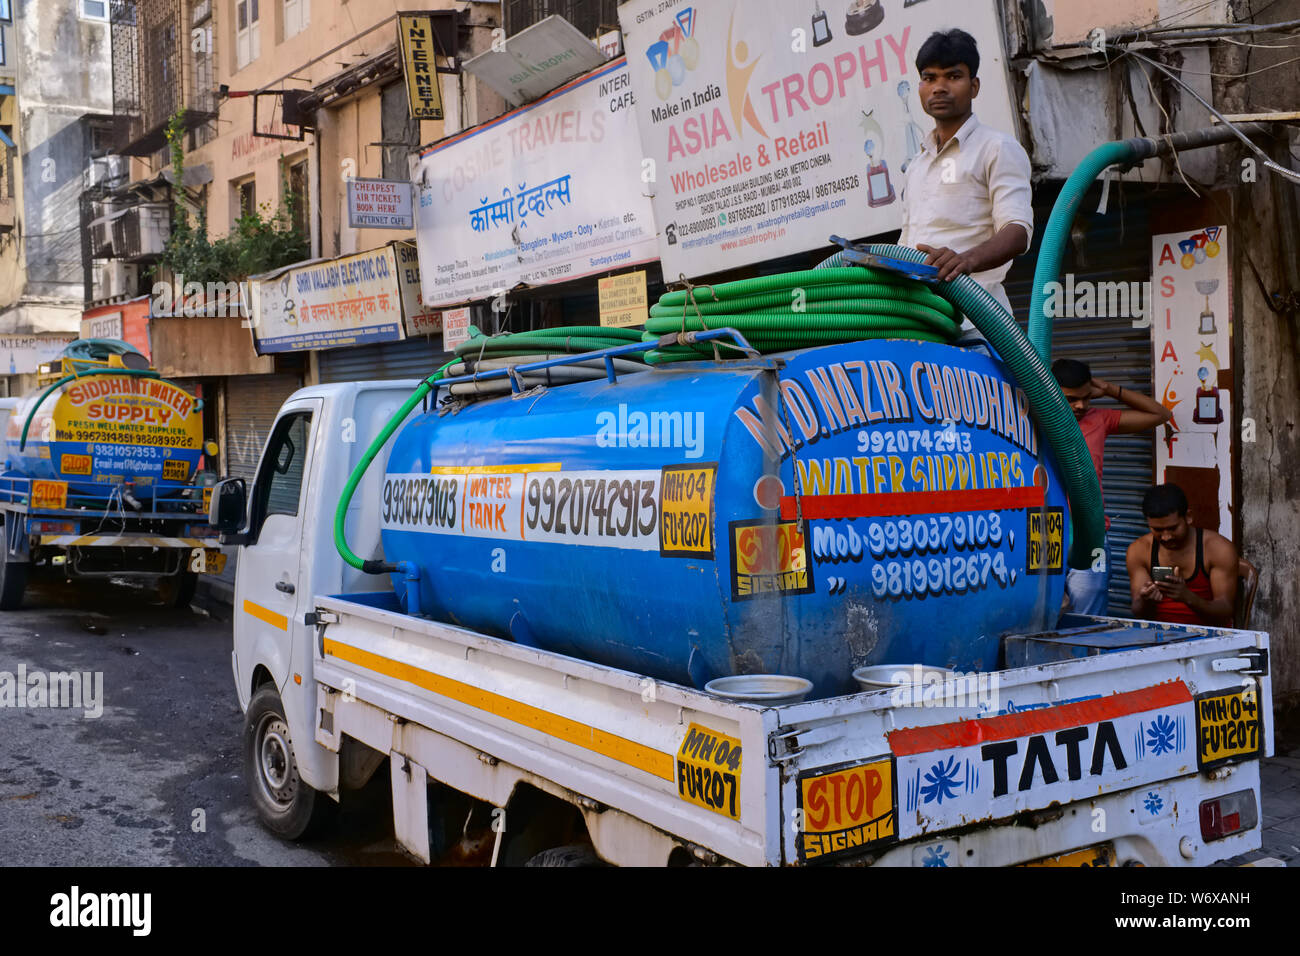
[(1116, 248), (412, 358), (252, 402)]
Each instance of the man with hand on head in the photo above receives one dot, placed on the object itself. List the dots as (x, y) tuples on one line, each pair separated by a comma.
[(1086, 589), (966, 195)]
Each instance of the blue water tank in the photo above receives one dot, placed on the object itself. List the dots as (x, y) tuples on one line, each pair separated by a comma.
[(805, 514)]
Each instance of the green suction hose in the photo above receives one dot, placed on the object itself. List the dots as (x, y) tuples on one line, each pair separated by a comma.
[(354, 479), (1046, 402), (137, 372), (802, 309), (1057, 232)]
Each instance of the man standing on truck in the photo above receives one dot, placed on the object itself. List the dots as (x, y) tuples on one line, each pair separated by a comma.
[(1158, 564), (1086, 589), (966, 195)]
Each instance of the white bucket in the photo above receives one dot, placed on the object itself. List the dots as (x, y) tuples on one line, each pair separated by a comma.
[(772, 690), (886, 676)]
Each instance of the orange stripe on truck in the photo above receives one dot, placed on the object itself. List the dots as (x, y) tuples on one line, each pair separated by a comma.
[(598, 741), (267, 615)]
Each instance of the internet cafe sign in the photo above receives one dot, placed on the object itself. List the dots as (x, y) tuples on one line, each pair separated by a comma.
[(380, 204)]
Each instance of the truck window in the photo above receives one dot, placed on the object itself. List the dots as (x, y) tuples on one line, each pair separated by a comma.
[(280, 481)]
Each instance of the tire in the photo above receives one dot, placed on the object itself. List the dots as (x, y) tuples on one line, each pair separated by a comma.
[(13, 577), (177, 590), (579, 854), (287, 806)]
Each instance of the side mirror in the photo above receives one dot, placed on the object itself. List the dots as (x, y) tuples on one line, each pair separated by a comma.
[(228, 509)]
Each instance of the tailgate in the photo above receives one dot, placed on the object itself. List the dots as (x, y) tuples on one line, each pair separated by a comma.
[(863, 776)]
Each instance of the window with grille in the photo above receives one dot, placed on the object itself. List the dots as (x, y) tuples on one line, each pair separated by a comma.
[(204, 93), (6, 173), (587, 15), (245, 198), (297, 196), (248, 33)]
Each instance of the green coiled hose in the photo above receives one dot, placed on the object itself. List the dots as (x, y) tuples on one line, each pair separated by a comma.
[(801, 309)]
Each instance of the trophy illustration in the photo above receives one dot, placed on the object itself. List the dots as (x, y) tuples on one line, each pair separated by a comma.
[(1207, 287)]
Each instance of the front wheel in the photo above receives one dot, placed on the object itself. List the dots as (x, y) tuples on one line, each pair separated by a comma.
[(286, 805)]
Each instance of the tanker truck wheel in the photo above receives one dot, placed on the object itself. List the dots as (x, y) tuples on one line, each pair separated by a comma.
[(13, 579), (286, 805), (177, 590)]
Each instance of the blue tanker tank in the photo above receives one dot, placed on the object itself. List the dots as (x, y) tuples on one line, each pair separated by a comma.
[(865, 503)]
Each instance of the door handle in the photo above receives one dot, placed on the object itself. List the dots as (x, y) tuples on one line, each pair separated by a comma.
[(284, 586)]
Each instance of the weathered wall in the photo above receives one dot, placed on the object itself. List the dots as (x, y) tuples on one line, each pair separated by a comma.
[(63, 73), (1268, 214)]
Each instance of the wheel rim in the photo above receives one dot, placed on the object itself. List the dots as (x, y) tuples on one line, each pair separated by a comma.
[(277, 777)]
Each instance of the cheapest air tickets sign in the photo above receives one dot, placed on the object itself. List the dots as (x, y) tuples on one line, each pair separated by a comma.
[(548, 192), (774, 125)]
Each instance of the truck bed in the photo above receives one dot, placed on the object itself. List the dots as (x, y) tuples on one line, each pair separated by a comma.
[(1104, 738)]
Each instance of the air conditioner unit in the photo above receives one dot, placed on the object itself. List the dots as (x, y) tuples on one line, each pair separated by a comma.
[(101, 230), (108, 171), (121, 278), (155, 227)]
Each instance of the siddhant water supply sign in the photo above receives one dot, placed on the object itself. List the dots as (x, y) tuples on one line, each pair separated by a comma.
[(549, 192), (114, 428), (777, 124)]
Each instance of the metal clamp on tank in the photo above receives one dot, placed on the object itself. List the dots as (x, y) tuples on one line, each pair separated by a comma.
[(858, 255)]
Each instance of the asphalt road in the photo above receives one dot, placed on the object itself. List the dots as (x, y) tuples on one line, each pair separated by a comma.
[(155, 779)]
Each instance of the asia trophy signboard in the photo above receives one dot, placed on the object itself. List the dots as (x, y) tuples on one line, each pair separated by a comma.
[(773, 125), (546, 193)]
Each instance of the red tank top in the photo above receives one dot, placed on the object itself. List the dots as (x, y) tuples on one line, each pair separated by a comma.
[(1179, 612)]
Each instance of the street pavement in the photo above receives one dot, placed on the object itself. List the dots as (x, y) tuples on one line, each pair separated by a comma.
[(157, 779)]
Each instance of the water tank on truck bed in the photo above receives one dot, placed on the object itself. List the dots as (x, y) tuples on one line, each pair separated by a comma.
[(101, 417), (893, 505)]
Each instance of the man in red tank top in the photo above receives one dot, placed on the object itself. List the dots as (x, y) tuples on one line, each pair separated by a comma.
[(1179, 573)]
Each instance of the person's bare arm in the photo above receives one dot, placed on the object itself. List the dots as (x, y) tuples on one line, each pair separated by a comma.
[(1143, 412), (1221, 563), (1142, 589), (1007, 243)]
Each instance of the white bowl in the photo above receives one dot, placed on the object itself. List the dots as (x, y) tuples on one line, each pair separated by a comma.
[(770, 689), (885, 676)]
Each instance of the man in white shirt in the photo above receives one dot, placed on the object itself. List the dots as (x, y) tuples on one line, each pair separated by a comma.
[(966, 195)]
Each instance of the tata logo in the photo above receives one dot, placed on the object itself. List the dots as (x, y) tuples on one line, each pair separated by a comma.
[(1048, 755)]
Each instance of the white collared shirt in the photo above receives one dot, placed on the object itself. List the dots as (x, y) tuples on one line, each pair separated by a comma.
[(963, 194)]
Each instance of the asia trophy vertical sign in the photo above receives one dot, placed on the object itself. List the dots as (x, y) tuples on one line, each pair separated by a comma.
[(1192, 343), (422, 91)]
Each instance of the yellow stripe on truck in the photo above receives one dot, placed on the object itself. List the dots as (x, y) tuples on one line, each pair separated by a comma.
[(625, 751), (267, 615)]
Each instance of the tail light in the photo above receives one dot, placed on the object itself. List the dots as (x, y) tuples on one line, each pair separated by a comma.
[(53, 527), (1224, 816)]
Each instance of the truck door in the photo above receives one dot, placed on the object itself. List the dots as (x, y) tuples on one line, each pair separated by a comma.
[(268, 593)]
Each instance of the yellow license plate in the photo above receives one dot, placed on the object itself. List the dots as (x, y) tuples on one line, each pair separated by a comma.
[(207, 500), (176, 470), (207, 560), (708, 771), (1229, 726), (1045, 548), (1103, 855)]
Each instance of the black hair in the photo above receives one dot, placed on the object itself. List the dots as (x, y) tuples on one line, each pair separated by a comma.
[(1071, 373), (946, 48), (1164, 500)]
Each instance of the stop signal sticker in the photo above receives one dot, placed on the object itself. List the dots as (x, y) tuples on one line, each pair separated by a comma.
[(846, 809)]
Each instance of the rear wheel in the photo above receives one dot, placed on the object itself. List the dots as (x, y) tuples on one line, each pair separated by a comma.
[(286, 805), (576, 855), (13, 575), (177, 590)]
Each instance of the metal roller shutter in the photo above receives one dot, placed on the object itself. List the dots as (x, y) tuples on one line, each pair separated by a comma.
[(252, 402), (412, 358), (1116, 248)]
